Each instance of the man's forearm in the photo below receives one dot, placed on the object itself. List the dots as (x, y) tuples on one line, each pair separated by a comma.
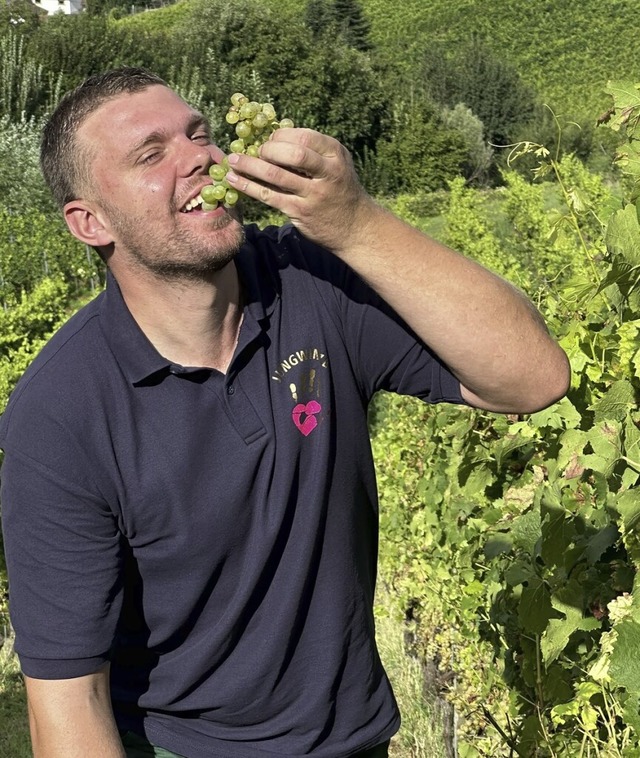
[(72, 718), (486, 330)]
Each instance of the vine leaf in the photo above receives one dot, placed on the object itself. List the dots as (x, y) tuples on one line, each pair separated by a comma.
[(561, 415), (628, 506), (628, 158), (614, 405), (623, 234), (600, 542), (558, 534), (534, 608), (624, 668), (526, 531), (627, 99), (557, 634)]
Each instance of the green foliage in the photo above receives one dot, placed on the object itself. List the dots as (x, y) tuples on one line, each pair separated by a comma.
[(329, 19), (78, 45), (565, 51), (421, 155), (104, 7), (34, 245), (527, 526), (489, 86), (470, 232), (320, 17), (19, 147), (479, 152), (160, 21), (25, 328), (340, 94), (332, 88), (23, 16), (353, 24), (14, 737), (25, 90)]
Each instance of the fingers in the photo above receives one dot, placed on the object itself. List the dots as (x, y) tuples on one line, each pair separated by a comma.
[(321, 144), (288, 165), (307, 176)]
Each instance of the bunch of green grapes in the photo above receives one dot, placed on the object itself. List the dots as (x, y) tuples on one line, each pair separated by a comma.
[(254, 123)]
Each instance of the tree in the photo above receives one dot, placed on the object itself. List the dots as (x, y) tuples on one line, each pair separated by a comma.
[(21, 15), (353, 24), (488, 85), (24, 190), (320, 17), (421, 155), (82, 44), (480, 154)]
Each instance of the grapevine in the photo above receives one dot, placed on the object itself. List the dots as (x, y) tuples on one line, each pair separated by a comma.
[(254, 123)]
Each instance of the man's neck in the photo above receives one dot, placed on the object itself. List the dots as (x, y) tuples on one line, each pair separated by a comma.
[(189, 322)]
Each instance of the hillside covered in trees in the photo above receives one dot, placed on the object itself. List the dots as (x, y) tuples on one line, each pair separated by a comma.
[(421, 91), (509, 544)]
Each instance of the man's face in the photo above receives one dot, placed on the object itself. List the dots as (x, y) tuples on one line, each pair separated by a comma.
[(149, 156)]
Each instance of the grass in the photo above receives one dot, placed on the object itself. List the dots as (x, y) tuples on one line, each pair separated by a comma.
[(14, 728), (420, 735)]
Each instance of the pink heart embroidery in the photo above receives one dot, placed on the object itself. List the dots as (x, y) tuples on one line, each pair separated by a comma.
[(310, 422)]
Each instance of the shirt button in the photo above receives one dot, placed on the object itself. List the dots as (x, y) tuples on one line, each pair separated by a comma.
[(231, 389)]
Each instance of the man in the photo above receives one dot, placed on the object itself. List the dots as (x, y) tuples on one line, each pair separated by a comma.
[(188, 493)]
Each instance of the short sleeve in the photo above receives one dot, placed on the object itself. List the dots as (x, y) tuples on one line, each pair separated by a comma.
[(64, 560), (386, 354)]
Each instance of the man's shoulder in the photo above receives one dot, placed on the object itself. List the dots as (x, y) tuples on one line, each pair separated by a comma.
[(69, 359), (72, 345)]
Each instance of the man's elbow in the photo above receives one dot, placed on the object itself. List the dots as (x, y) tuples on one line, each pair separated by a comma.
[(527, 390), (547, 385), (557, 381)]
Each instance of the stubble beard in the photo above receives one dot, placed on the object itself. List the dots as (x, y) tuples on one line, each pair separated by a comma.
[(179, 256)]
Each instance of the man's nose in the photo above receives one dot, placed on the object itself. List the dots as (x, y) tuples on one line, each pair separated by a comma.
[(195, 158)]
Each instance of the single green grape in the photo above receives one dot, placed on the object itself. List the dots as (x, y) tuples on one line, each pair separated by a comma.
[(217, 172), (238, 99), (219, 191), (253, 150), (260, 121), (269, 111), (244, 130), (237, 146), (208, 194), (286, 123), (246, 111), (232, 117), (209, 206), (231, 197)]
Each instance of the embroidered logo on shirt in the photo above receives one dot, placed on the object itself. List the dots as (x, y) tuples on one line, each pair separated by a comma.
[(304, 416), (304, 366), (295, 359)]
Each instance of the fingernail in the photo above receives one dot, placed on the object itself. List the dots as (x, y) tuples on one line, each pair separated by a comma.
[(233, 158), (232, 177)]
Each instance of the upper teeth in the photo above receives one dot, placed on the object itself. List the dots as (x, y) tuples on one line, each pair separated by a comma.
[(193, 203)]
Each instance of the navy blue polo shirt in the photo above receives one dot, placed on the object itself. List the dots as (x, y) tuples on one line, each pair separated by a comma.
[(214, 536)]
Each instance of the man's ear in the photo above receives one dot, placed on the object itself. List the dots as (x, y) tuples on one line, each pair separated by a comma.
[(87, 224)]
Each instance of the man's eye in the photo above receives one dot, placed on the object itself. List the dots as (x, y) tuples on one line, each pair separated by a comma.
[(149, 157), (202, 137)]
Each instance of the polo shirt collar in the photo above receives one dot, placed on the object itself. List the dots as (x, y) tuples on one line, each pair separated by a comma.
[(139, 359)]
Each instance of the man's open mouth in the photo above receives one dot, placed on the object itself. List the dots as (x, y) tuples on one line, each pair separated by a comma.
[(195, 202)]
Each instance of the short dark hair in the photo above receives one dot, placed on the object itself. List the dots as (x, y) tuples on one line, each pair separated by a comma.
[(64, 164)]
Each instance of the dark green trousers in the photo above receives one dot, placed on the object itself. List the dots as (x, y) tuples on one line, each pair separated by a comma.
[(139, 747)]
